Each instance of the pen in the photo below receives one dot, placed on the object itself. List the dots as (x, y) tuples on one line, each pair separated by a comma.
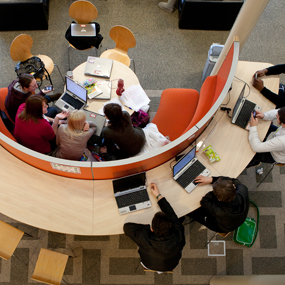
[(128, 107)]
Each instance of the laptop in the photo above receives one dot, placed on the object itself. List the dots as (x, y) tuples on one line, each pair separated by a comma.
[(103, 90), (99, 67), (74, 98), (131, 193), (83, 30), (242, 111), (96, 118), (187, 168)]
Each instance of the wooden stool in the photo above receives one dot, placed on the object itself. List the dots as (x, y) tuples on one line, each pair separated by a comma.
[(150, 270), (9, 239), (50, 267)]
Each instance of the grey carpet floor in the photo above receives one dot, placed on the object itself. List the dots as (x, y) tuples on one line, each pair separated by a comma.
[(165, 57)]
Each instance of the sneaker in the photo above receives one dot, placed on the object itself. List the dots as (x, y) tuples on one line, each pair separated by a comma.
[(253, 163)]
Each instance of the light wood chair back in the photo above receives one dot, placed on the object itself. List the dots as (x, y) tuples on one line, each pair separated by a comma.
[(20, 49), (124, 40), (9, 240), (83, 12), (50, 267)]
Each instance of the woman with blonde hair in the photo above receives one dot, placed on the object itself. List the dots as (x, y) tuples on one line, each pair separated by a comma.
[(72, 137)]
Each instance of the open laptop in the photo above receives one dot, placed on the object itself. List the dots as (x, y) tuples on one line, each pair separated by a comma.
[(74, 98), (83, 30), (103, 91), (99, 67), (187, 168), (242, 110), (96, 118), (131, 193)]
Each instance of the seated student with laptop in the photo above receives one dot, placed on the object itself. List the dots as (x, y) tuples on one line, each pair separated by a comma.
[(273, 148), (225, 208), (161, 243)]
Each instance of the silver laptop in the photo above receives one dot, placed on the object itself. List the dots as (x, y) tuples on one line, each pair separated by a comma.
[(96, 118), (131, 193), (74, 98), (186, 170), (99, 67), (242, 110), (83, 30), (103, 90)]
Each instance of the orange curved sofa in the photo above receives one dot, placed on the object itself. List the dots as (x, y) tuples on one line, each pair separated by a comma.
[(182, 115)]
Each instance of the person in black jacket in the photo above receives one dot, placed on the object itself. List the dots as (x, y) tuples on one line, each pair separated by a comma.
[(277, 99), (225, 208), (161, 244)]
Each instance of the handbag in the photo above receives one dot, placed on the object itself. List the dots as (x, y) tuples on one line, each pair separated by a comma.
[(34, 66), (246, 233), (140, 118)]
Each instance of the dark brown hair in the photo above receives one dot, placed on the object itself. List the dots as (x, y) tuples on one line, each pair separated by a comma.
[(281, 113), (224, 190), (33, 108), (115, 115), (25, 80), (161, 224)]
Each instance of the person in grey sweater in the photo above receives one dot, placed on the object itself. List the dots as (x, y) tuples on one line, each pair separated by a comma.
[(72, 137)]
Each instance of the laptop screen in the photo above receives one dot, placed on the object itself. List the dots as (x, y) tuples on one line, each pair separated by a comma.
[(129, 182), (184, 160), (76, 89)]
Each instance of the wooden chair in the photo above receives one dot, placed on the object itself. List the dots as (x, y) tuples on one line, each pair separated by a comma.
[(124, 40), (20, 50), (9, 240), (50, 267), (83, 12), (150, 270)]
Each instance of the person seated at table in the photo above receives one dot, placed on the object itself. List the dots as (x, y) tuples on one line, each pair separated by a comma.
[(72, 137), (277, 99), (161, 244), (273, 148), (33, 129), (225, 208), (120, 137), (20, 89)]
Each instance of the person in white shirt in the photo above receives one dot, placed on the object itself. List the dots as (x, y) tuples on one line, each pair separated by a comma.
[(272, 149)]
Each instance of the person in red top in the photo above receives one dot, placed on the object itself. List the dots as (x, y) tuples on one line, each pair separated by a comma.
[(32, 128)]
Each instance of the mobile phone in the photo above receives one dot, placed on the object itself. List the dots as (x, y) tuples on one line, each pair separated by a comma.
[(256, 75), (48, 87), (254, 114)]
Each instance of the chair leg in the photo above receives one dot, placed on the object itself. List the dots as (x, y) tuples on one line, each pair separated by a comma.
[(272, 166), (211, 238), (133, 65), (68, 53), (59, 72)]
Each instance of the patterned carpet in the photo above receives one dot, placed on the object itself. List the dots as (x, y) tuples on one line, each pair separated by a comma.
[(114, 259)]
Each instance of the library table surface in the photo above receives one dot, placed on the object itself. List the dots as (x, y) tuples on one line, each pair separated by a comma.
[(88, 207)]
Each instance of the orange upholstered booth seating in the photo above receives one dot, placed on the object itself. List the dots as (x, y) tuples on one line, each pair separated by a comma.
[(3, 129)]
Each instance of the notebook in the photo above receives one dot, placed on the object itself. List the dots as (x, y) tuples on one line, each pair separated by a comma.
[(187, 168), (74, 98), (96, 118), (242, 111), (83, 30), (131, 193), (103, 91), (99, 67)]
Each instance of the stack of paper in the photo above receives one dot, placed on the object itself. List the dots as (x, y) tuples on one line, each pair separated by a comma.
[(135, 97)]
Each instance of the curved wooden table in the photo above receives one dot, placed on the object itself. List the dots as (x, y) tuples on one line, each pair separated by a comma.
[(88, 207)]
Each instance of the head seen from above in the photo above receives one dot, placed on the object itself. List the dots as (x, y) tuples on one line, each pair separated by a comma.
[(161, 225), (76, 121), (224, 190), (281, 116), (28, 82)]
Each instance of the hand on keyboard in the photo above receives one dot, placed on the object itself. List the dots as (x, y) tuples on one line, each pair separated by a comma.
[(203, 180)]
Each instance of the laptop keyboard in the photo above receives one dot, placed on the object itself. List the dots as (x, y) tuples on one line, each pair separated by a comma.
[(72, 101), (132, 198), (245, 113), (190, 174)]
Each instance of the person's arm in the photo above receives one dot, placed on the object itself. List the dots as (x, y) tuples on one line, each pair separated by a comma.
[(209, 203), (58, 117), (276, 69), (135, 231)]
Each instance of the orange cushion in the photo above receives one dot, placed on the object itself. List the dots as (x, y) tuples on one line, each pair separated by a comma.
[(176, 110)]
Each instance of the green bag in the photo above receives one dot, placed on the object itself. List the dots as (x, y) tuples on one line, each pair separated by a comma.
[(246, 234)]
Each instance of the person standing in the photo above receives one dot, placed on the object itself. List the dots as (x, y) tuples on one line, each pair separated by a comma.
[(161, 244)]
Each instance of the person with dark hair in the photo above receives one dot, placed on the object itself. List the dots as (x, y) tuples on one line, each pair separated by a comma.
[(277, 99), (272, 149), (161, 244), (32, 128), (20, 89), (225, 208), (120, 133)]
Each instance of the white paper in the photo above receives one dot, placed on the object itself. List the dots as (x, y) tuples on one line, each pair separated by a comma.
[(114, 100)]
